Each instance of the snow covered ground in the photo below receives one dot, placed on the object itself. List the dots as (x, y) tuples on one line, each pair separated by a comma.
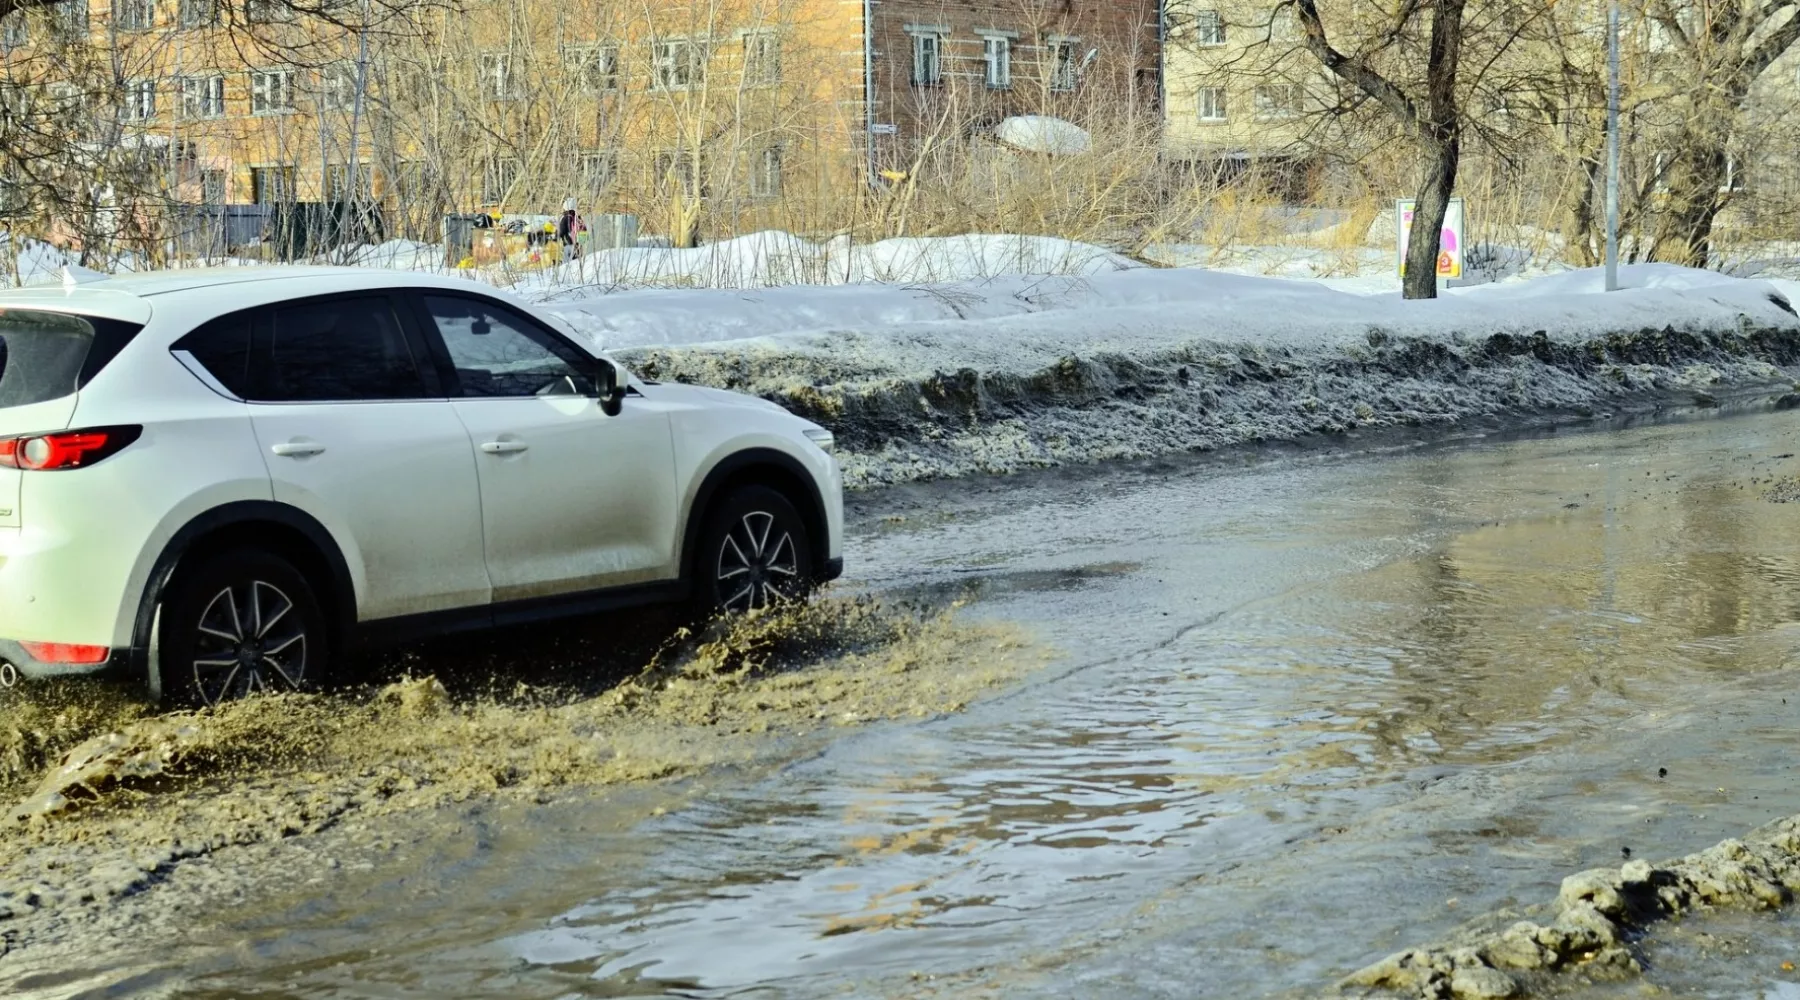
[(1004, 374), (973, 354)]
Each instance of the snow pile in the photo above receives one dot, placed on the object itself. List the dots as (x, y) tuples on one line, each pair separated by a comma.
[(774, 259), (666, 318), (1146, 362)]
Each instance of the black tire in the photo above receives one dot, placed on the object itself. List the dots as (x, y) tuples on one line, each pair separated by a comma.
[(281, 642), (754, 551)]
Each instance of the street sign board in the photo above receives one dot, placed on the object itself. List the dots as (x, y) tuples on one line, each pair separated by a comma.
[(1450, 249)]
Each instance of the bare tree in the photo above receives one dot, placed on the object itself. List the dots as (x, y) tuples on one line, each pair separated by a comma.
[(1431, 118), (1719, 50)]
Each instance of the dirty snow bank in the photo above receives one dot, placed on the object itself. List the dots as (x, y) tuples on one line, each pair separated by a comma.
[(999, 376)]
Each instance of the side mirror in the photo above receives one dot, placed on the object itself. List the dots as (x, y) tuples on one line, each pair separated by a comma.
[(607, 387)]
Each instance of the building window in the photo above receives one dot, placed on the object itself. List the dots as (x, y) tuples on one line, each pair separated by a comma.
[(271, 91), (680, 170), (762, 59), (1212, 104), (337, 182), (498, 81), (271, 185), (996, 50), (1209, 28), (337, 87), (498, 180), (1064, 70), (599, 170), (415, 84), (212, 187), (267, 11), (197, 13), (14, 33), (70, 19), (1734, 178), (677, 63), (595, 68), (927, 58), (1278, 100), (203, 97), (66, 98), (140, 100), (1284, 26), (134, 15), (765, 173)]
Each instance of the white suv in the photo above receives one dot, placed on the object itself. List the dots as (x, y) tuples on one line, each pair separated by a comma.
[(221, 481)]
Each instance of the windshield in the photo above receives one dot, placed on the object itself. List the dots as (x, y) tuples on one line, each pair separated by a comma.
[(49, 355)]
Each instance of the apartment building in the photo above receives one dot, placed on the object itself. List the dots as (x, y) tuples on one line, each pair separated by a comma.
[(500, 104), (742, 109), (936, 67), (1239, 83)]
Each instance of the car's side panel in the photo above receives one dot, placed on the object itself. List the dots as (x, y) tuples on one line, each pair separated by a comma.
[(587, 501), (572, 498), (395, 483)]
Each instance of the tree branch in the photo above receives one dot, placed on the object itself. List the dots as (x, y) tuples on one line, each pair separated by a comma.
[(1772, 47), (1354, 69)]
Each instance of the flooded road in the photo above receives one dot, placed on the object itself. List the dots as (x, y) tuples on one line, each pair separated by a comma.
[(1302, 713)]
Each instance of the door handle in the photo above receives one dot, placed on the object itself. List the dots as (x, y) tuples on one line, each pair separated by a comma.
[(503, 447), (297, 449)]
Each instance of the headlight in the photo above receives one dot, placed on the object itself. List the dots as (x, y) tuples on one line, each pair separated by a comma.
[(821, 437)]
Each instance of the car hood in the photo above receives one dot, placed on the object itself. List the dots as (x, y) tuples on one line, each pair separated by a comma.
[(708, 396)]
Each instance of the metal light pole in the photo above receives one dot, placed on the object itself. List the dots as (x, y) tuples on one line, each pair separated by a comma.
[(1612, 147)]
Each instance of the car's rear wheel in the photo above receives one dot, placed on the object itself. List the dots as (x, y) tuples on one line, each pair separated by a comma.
[(241, 623), (754, 552)]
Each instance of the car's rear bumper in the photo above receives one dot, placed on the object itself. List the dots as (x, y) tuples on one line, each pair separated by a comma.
[(120, 663), (834, 568)]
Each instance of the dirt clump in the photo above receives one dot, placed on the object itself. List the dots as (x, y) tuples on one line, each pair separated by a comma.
[(1598, 917), (1785, 490)]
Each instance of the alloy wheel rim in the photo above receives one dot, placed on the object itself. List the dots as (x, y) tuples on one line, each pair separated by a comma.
[(251, 639), (758, 564)]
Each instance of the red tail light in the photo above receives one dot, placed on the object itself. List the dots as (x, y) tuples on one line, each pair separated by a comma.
[(62, 652), (66, 449)]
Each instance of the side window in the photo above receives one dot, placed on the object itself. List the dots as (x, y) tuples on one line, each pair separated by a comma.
[(498, 353), (222, 347), (339, 349)]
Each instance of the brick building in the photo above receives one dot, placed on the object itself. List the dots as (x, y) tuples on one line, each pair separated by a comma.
[(935, 64)]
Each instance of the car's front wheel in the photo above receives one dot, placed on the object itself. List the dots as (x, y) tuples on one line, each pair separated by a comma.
[(242, 622), (755, 552)]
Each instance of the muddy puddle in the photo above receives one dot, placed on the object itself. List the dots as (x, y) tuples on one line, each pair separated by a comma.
[(1270, 724), (109, 799)]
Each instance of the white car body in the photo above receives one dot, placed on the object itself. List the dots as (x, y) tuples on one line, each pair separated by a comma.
[(423, 514)]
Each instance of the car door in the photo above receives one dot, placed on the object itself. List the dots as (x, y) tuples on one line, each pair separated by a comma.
[(571, 499), (356, 431)]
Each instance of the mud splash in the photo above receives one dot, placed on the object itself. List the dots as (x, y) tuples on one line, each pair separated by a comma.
[(136, 799), (40, 726)]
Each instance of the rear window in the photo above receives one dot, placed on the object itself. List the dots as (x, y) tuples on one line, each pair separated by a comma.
[(49, 355)]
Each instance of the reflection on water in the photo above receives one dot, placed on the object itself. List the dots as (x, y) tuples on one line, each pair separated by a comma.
[(1276, 679)]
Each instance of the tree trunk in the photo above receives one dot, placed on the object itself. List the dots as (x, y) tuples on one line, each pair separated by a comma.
[(1578, 232), (1440, 149), (1696, 180), (1439, 158)]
